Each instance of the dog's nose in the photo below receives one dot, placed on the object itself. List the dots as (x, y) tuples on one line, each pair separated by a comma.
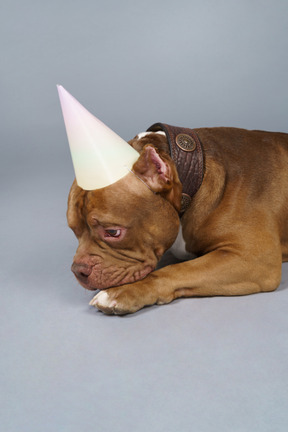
[(81, 271)]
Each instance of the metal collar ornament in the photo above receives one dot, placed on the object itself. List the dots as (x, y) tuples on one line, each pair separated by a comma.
[(100, 157)]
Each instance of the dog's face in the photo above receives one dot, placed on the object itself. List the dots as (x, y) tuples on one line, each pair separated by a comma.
[(123, 230)]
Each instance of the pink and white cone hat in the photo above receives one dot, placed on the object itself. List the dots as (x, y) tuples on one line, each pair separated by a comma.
[(100, 157)]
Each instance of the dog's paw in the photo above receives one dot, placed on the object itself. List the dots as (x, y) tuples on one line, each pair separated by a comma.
[(119, 301)]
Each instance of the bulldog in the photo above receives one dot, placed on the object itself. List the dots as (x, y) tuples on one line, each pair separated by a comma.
[(219, 193)]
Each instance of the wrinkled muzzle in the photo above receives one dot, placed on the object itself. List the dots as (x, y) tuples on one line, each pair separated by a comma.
[(95, 275)]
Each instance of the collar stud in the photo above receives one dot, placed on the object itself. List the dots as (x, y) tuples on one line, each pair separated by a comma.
[(185, 202), (185, 142)]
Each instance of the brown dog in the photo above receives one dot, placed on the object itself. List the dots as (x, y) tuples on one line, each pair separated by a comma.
[(233, 185)]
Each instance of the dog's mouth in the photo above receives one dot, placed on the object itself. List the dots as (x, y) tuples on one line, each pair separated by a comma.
[(92, 278)]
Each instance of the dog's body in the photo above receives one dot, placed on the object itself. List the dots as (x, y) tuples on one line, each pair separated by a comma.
[(236, 223)]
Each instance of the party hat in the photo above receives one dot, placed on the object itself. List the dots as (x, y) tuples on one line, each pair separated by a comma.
[(100, 157)]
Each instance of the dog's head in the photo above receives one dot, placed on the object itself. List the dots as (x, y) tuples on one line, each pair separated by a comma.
[(124, 229)]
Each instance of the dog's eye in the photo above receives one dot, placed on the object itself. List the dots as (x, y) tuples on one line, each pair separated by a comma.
[(112, 233)]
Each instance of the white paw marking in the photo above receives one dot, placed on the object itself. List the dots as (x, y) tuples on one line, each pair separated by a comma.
[(101, 299)]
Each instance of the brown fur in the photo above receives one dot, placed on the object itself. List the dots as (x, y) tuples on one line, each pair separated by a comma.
[(237, 223)]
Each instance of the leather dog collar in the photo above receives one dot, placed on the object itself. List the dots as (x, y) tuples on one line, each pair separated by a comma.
[(187, 154)]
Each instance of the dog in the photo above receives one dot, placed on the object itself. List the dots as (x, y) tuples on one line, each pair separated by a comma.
[(221, 193)]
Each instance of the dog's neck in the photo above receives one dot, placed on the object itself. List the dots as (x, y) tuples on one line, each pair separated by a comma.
[(187, 154)]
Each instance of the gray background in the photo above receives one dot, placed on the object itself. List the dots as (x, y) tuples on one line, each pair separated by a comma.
[(200, 365)]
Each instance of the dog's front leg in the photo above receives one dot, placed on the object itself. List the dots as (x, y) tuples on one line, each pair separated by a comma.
[(219, 273), (131, 297)]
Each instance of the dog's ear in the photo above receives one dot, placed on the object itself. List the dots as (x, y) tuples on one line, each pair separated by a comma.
[(75, 208), (158, 171)]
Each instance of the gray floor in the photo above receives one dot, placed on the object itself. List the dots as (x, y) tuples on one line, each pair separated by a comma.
[(200, 365), (197, 364)]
